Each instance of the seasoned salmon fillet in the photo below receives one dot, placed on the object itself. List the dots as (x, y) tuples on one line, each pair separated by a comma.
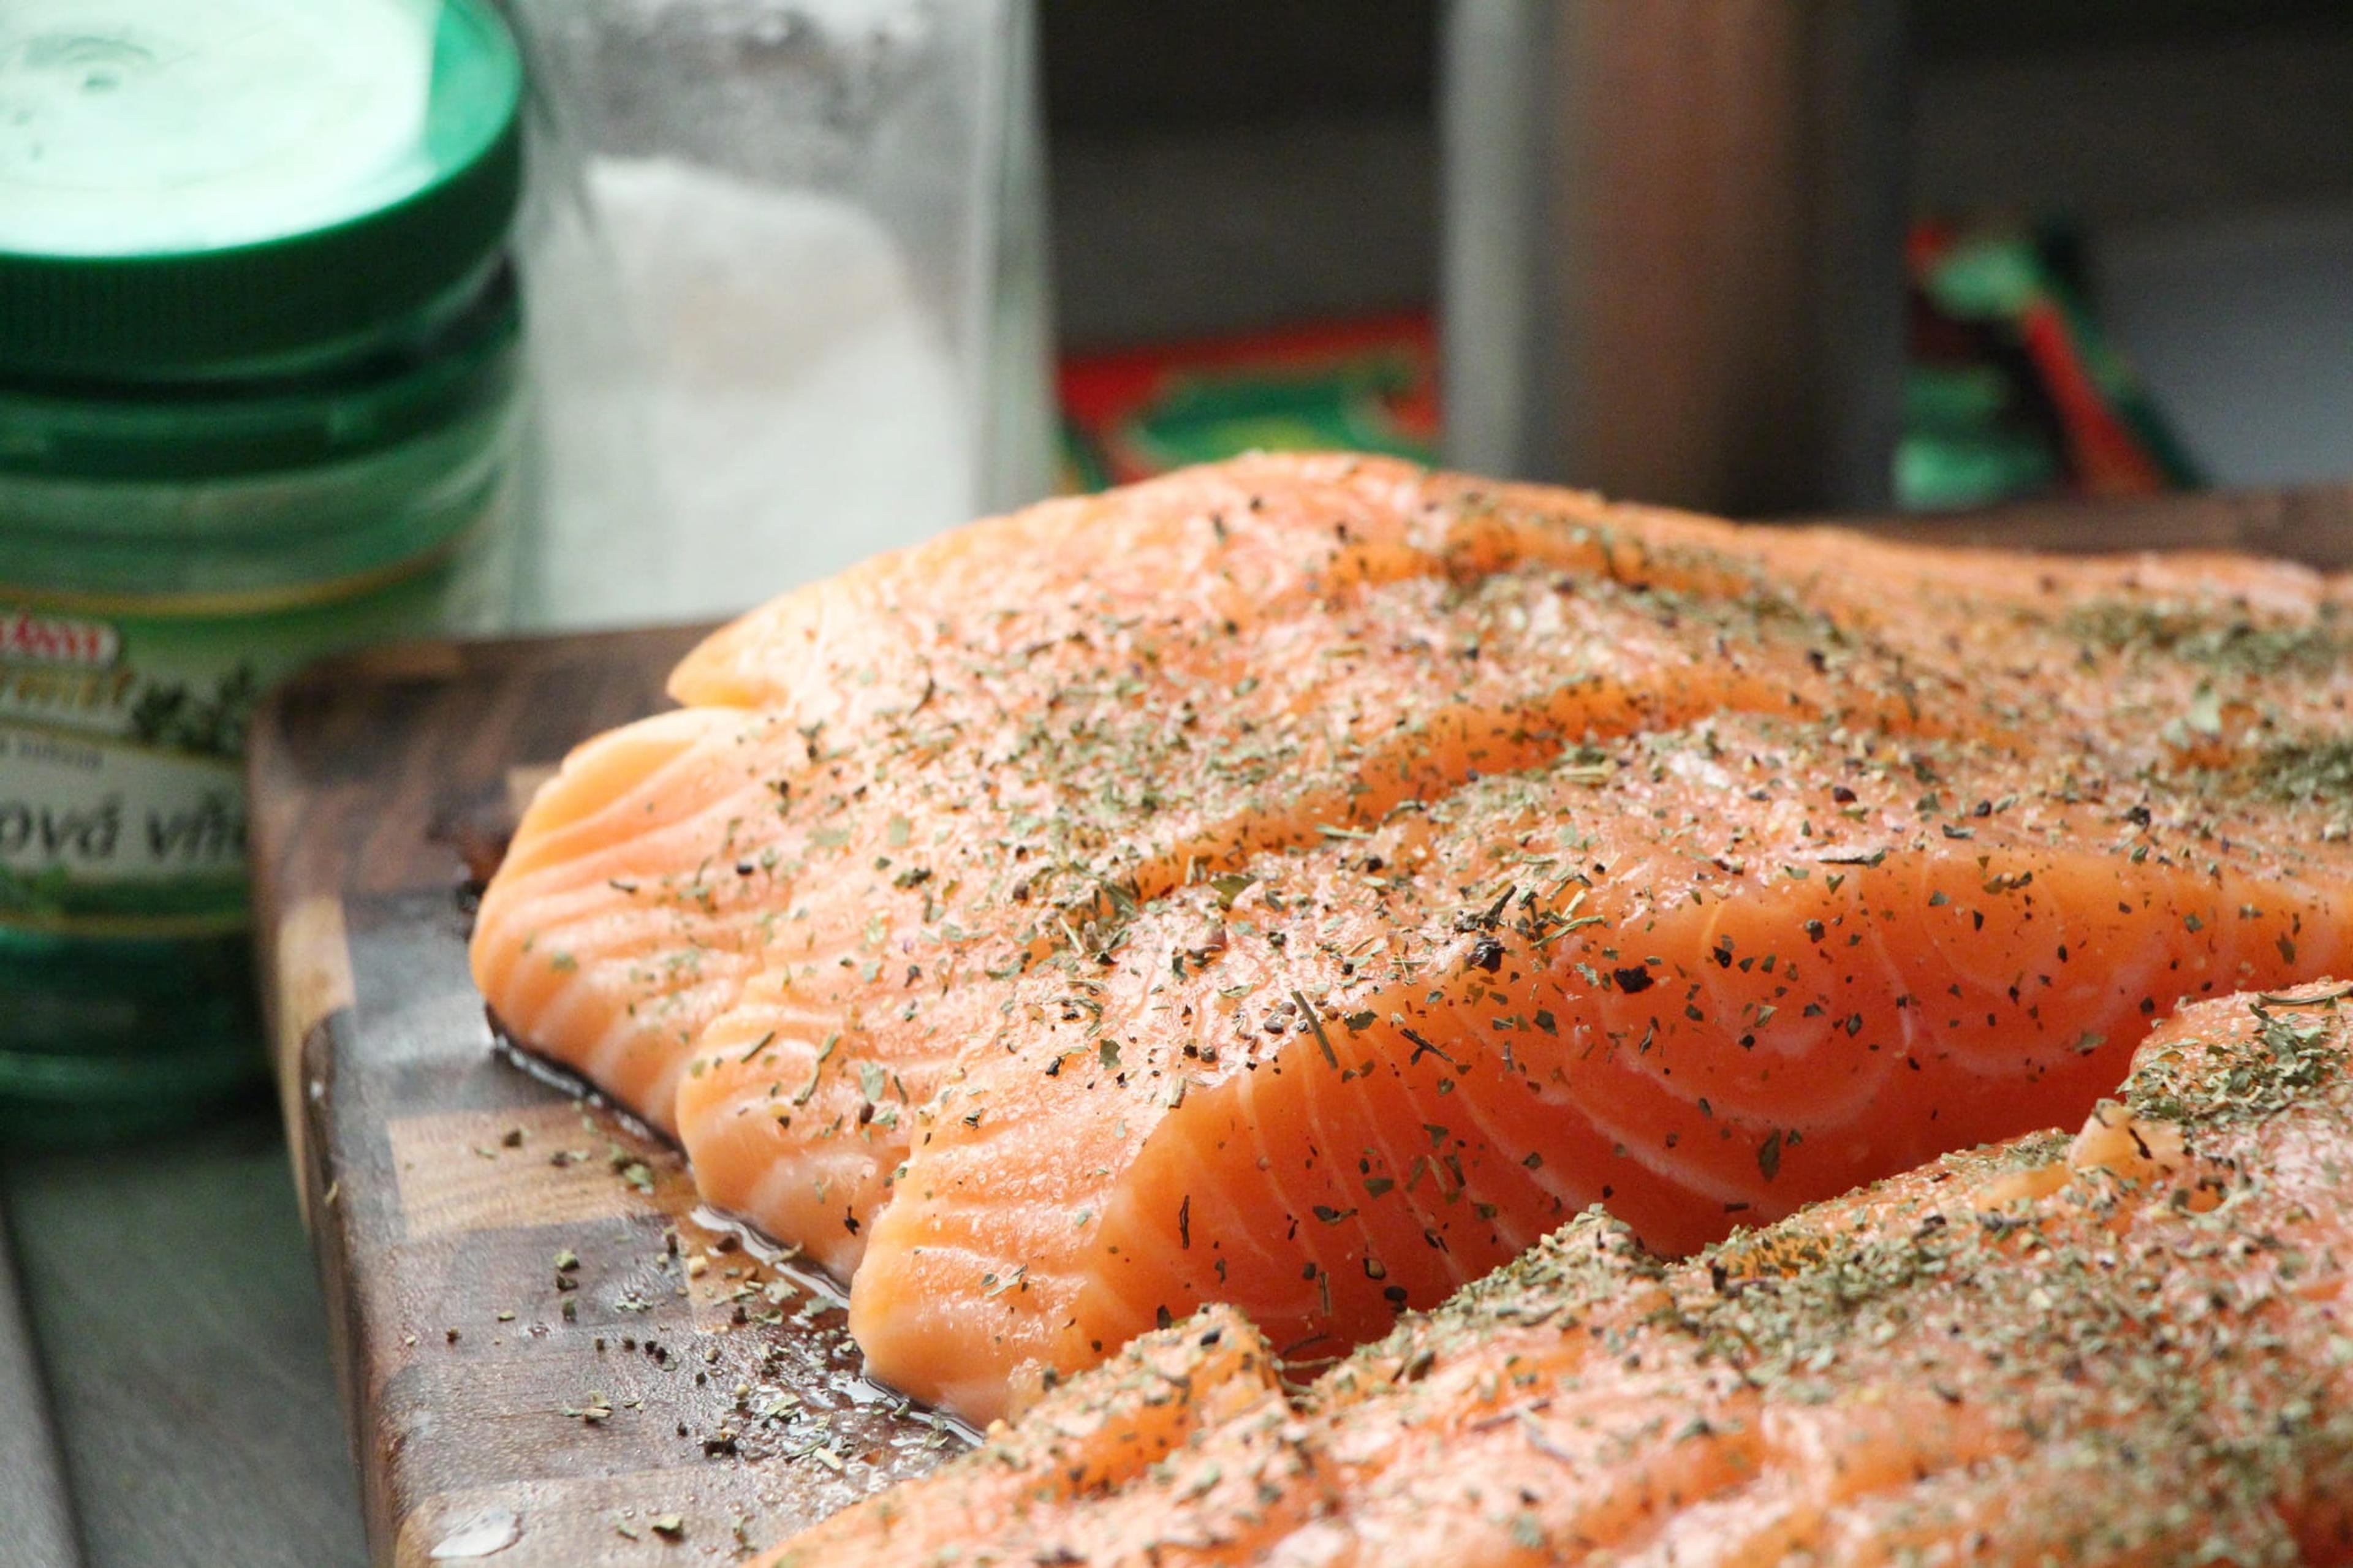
[(1349, 1089), (1301, 883), (2131, 1347)]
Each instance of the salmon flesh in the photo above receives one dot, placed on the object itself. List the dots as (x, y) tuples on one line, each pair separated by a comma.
[(2128, 1348), (1304, 883)]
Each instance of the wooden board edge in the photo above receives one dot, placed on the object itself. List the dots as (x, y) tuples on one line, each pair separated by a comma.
[(2309, 524)]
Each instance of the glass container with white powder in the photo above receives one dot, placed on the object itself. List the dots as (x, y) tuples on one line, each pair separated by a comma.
[(805, 318)]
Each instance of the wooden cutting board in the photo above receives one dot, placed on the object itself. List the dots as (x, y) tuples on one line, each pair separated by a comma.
[(547, 1359)]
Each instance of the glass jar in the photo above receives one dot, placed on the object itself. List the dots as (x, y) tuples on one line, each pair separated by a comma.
[(806, 317), (258, 372)]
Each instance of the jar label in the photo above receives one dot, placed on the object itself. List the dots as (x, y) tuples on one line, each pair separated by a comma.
[(122, 727)]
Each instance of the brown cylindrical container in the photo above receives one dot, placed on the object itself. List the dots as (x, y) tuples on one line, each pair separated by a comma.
[(1674, 249)]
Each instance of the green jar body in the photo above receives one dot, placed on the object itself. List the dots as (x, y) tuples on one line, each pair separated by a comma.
[(258, 360), (165, 557)]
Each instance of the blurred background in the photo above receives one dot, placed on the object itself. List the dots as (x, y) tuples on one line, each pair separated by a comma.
[(805, 280), (1757, 259), (2176, 174)]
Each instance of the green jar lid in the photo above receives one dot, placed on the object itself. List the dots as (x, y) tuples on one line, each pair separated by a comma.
[(199, 188)]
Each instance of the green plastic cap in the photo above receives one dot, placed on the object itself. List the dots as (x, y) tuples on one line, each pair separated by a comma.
[(199, 188)]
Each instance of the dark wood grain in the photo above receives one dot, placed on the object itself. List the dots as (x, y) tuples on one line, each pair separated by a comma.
[(442, 1184), (2312, 524), (382, 783)]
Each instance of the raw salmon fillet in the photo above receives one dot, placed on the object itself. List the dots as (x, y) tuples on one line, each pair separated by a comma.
[(1302, 883), (2132, 1348)]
